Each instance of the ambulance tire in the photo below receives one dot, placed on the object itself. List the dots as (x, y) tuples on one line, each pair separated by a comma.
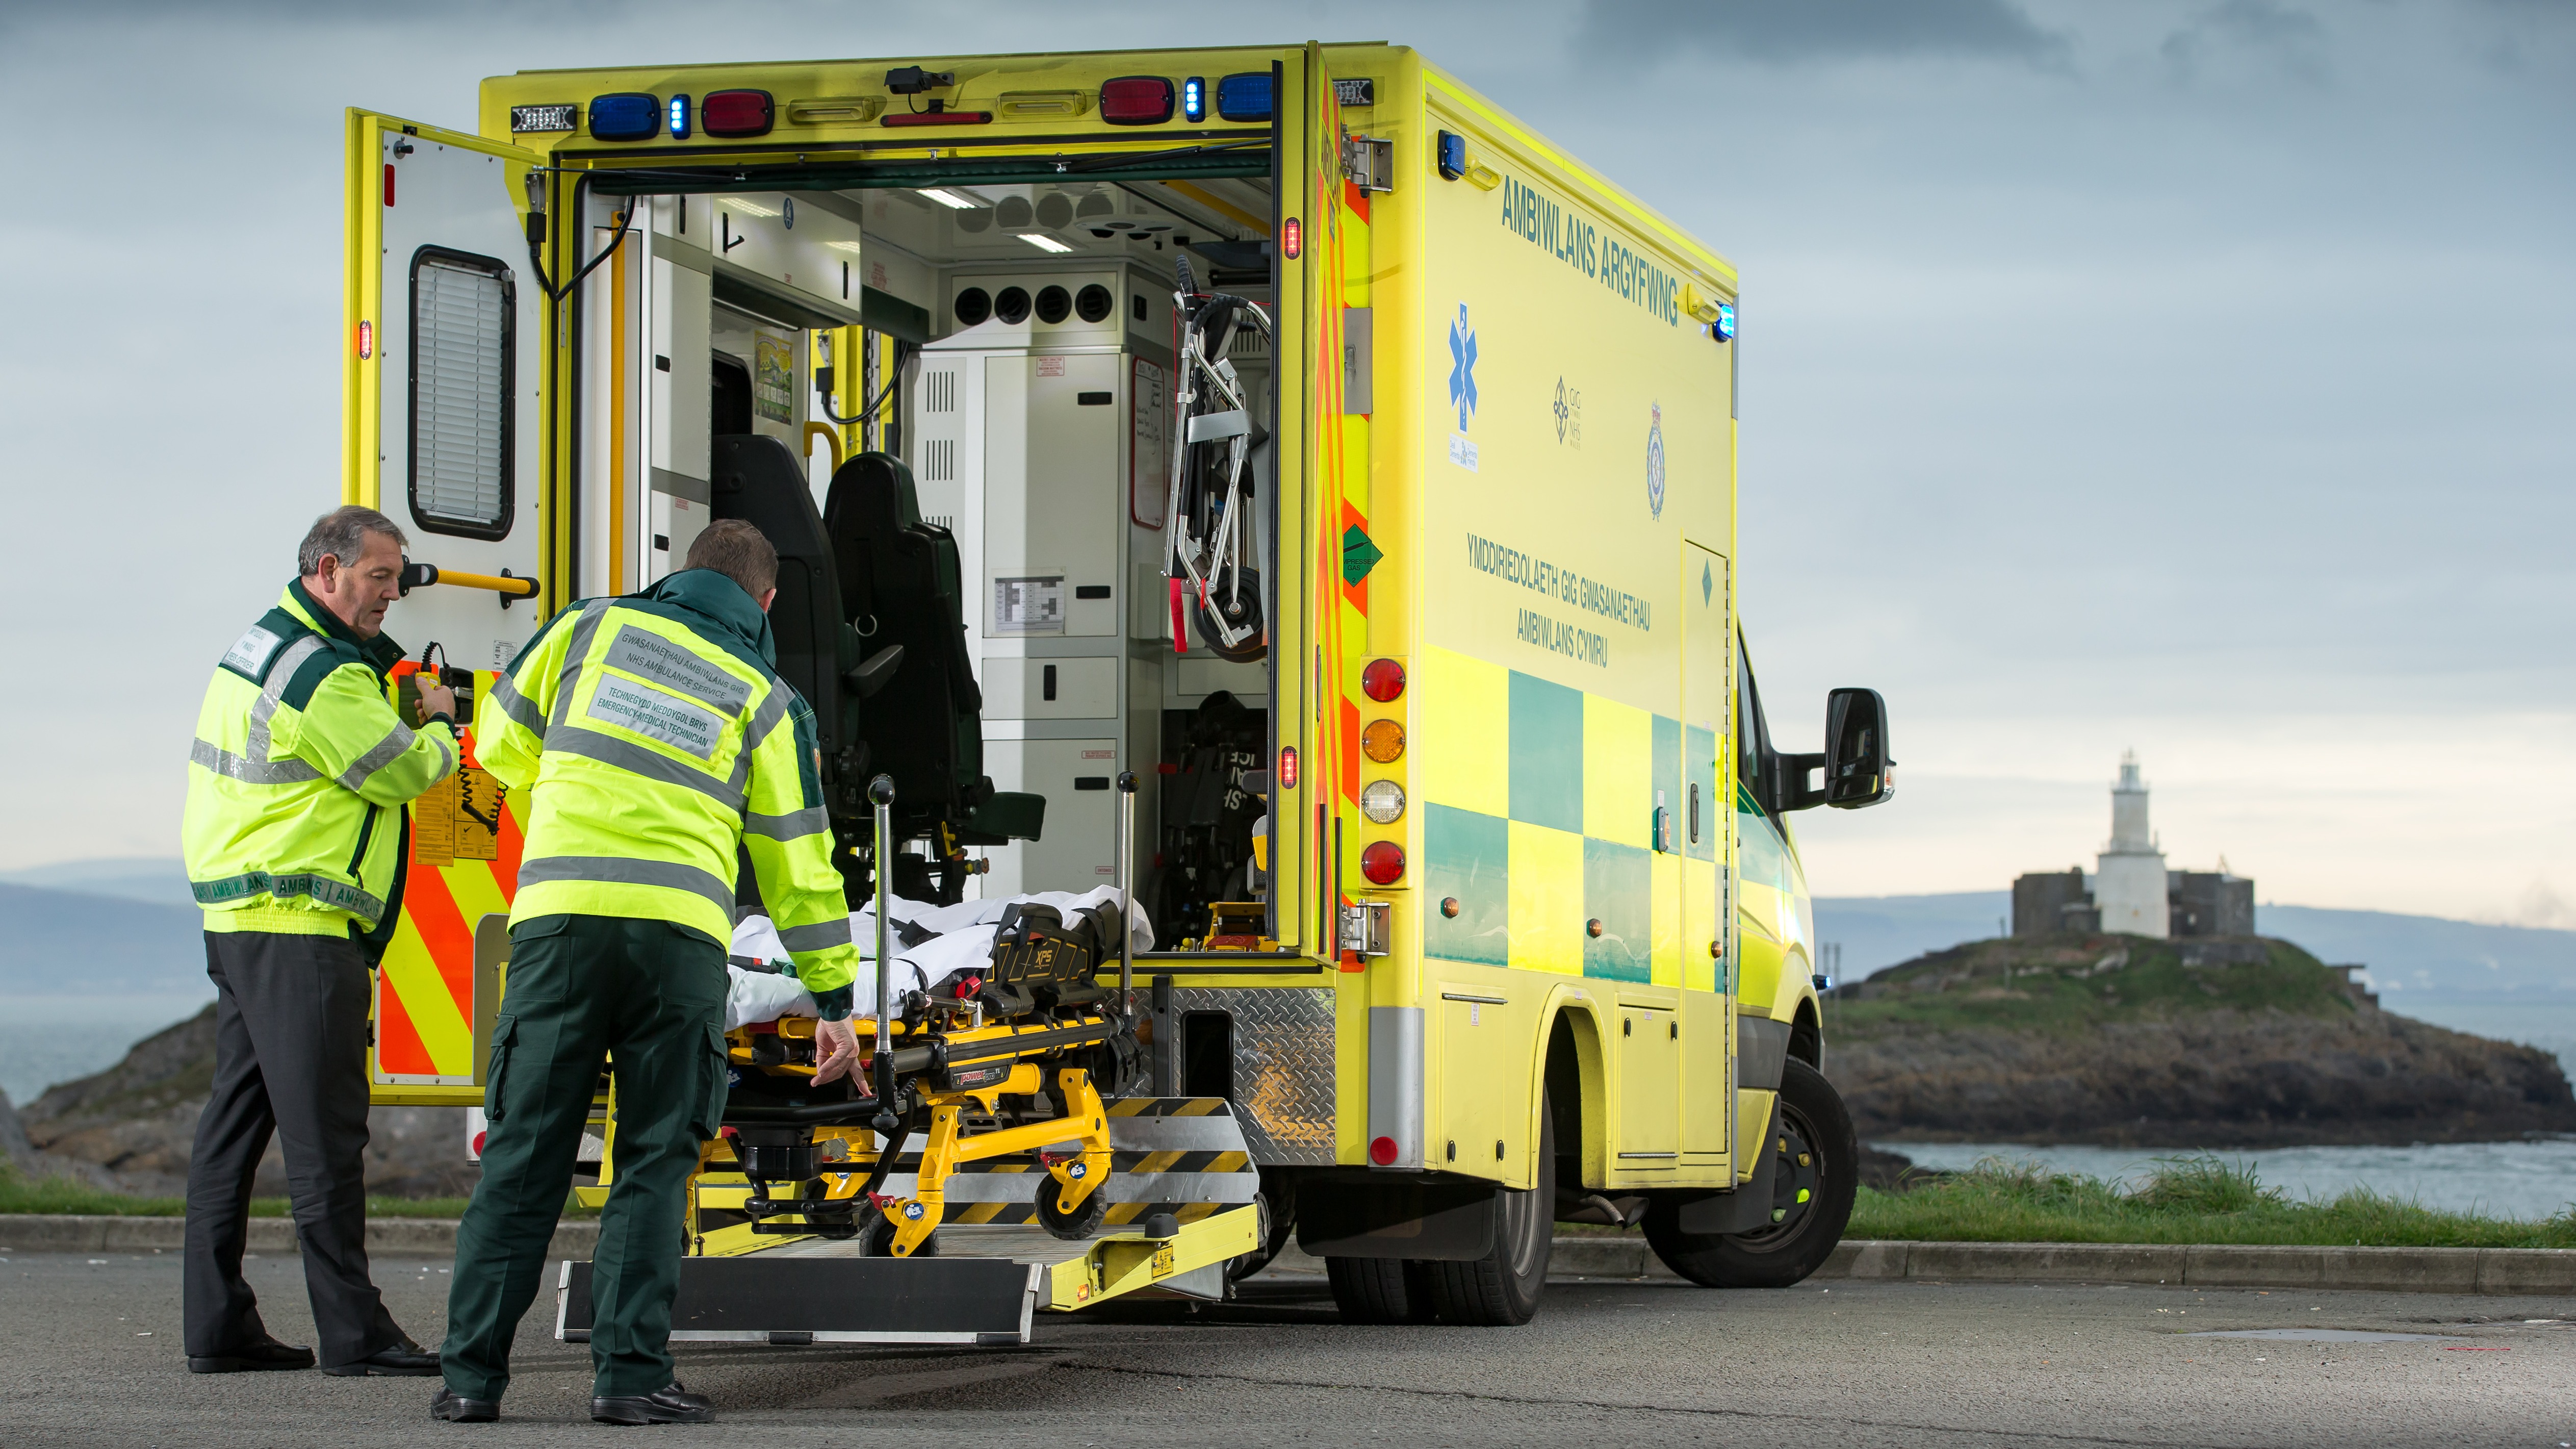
[(1381, 1290), (1502, 1288), (1813, 1120)]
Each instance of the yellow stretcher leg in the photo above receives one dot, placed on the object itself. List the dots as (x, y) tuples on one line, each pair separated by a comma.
[(1077, 1175)]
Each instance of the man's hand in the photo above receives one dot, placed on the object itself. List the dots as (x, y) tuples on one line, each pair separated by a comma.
[(836, 1051), (436, 699)]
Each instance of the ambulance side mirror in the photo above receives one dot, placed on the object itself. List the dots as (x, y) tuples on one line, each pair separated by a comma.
[(1855, 769)]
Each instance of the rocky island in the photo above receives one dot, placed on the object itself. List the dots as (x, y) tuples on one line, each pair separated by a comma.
[(2128, 1041)]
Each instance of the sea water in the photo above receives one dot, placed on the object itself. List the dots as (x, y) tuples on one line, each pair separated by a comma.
[(2517, 1180), (49, 1039)]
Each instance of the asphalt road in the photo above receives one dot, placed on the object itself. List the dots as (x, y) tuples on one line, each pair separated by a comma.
[(90, 1355)]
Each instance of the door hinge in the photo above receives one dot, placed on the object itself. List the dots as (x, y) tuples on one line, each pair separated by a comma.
[(1368, 927), (1369, 162)]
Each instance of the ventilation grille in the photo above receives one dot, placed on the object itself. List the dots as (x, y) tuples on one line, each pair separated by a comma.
[(940, 520), (938, 460), (939, 392), (460, 405), (1248, 342)]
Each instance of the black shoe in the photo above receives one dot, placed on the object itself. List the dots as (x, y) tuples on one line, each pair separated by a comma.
[(267, 1353), (446, 1405), (405, 1359), (669, 1405)]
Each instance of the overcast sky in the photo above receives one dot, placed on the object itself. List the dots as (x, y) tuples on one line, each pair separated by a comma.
[(2184, 377)]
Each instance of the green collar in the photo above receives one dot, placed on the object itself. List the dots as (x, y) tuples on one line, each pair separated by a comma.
[(381, 651), (718, 600)]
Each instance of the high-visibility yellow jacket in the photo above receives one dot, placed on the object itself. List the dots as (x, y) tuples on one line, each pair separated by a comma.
[(298, 778), (655, 744)]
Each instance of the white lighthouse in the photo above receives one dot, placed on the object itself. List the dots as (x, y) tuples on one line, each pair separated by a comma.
[(2129, 878)]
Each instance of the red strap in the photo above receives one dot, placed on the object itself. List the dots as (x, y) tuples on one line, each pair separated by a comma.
[(1180, 635)]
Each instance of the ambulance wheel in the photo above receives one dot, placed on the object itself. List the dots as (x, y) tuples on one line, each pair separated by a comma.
[(1813, 1183), (1072, 1226), (877, 1240), (1502, 1288), (1381, 1290)]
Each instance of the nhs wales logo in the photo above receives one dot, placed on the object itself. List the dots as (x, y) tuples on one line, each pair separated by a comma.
[(1655, 462), (1462, 388)]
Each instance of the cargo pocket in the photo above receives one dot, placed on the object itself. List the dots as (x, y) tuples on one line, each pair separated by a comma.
[(708, 1116), (505, 1031)]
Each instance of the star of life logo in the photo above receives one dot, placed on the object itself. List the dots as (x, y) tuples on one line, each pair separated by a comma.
[(1462, 387)]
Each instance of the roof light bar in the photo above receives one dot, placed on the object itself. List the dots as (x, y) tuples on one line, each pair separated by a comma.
[(737, 113), (1194, 99), (625, 116), (1244, 96), (679, 118), (1136, 100)]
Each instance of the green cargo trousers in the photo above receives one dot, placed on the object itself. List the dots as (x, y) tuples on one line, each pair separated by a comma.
[(649, 995)]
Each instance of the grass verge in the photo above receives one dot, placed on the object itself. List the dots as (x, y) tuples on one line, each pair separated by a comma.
[(2185, 1200), (20, 1194)]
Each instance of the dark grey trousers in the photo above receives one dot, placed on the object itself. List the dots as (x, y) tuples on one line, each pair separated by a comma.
[(290, 1060)]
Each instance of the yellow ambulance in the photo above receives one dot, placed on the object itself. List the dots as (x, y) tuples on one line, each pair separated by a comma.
[(1288, 428)]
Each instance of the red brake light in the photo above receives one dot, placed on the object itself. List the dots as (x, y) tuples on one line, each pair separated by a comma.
[(1136, 100), (737, 113), (1383, 680), (1288, 767), (1292, 238), (1382, 1152), (1382, 862)]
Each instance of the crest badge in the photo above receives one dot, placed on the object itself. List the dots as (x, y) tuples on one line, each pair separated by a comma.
[(1655, 462)]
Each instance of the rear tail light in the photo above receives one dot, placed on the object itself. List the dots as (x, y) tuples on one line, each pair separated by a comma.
[(1383, 862), (1244, 97), (1382, 1152), (737, 113), (625, 116), (1288, 767), (1136, 100), (1382, 680)]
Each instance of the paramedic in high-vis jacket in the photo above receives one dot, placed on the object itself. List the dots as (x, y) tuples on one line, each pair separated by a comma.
[(296, 837), (654, 745)]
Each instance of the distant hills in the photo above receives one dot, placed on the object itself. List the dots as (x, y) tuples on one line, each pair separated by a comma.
[(2411, 959)]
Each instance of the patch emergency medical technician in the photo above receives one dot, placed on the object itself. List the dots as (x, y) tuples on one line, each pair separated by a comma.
[(655, 744), (296, 838)]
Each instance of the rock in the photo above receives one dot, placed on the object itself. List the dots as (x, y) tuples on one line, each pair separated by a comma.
[(2131, 1042), (131, 1128), (14, 1146)]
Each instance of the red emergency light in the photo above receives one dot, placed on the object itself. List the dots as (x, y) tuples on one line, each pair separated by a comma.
[(737, 113), (1136, 100)]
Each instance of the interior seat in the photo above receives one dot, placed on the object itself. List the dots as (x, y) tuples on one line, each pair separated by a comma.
[(902, 585)]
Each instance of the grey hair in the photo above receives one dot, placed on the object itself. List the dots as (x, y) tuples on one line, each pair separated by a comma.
[(342, 533)]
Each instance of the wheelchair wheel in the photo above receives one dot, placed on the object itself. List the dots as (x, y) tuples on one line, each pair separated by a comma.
[(1072, 1226)]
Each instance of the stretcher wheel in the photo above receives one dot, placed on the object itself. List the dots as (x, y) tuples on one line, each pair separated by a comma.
[(1082, 1222), (878, 1240)]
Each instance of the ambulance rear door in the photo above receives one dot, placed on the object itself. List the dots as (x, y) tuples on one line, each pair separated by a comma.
[(444, 432)]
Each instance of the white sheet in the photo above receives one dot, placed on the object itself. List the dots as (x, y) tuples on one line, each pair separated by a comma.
[(963, 943)]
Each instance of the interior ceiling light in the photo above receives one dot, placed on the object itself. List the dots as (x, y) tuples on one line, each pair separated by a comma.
[(844, 246), (945, 197), (749, 208), (1043, 242)]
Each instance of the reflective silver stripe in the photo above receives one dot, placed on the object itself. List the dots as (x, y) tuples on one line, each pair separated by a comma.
[(251, 772), (385, 752), (280, 674), (772, 712), (518, 706), (572, 739), (616, 870), (318, 887), (446, 752), (795, 825), (820, 936), (582, 630)]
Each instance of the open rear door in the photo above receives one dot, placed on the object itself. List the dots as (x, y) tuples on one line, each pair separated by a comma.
[(444, 432)]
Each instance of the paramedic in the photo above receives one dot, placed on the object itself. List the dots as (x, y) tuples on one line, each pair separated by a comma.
[(655, 739), (296, 837)]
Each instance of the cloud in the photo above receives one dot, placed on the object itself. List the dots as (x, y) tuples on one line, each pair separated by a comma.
[(1826, 30), (2286, 41)]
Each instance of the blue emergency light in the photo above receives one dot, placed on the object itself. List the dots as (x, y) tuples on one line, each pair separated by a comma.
[(1453, 155), (625, 116), (679, 118), (1194, 98), (1724, 327), (1244, 96)]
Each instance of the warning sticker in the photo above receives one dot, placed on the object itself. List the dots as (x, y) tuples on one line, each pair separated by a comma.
[(459, 818), (1030, 604)]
